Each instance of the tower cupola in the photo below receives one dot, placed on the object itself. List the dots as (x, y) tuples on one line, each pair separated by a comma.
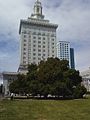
[(37, 10)]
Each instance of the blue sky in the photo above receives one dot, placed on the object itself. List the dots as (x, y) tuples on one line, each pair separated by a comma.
[(72, 16)]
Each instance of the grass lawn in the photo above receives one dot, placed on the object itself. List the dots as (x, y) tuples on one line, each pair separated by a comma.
[(45, 109)]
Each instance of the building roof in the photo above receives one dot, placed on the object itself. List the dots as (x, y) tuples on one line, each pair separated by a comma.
[(10, 73)]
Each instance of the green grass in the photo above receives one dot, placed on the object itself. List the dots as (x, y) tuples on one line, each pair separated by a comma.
[(45, 110)]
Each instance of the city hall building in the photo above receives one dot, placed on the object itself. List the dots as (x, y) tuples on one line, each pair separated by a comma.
[(37, 38)]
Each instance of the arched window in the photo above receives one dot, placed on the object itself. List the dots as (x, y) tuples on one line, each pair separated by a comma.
[(37, 9)]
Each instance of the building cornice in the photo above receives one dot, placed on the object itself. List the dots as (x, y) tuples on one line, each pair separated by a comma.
[(36, 22), (10, 73)]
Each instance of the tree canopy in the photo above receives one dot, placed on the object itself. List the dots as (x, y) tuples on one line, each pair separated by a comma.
[(52, 77)]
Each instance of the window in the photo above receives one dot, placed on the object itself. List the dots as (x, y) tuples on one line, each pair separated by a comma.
[(39, 41), (24, 36), (52, 39), (34, 58), (39, 54), (24, 48), (37, 9), (39, 46), (39, 58), (34, 37), (34, 41), (43, 34), (34, 33), (24, 62), (34, 49), (43, 46), (34, 45), (43, 42), (24, 53), (43, 38), (34, 54), (24, 44), (39, 38), (39, 33), (39, 50), (52, 55), (24, 40)]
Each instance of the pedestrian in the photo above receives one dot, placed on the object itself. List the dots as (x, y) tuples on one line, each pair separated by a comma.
[(27, 96), (12, 96)]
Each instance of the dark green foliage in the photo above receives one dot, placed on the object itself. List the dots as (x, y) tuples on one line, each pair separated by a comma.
[(19, 86), (51, 77), (73, 76), (32, 67), (79, 91)]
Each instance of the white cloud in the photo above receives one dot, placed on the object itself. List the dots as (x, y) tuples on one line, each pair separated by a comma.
[(82, 58), (9, 62), (73, 20)]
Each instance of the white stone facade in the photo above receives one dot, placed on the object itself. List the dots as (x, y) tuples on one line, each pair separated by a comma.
[(86, 83), (8, 77), (86, 79)]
